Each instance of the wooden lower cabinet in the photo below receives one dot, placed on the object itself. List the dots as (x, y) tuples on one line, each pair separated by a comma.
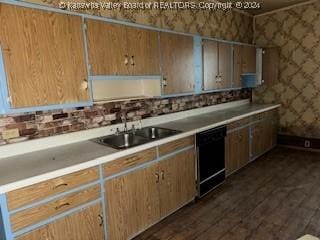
[(271, 129), (86, 224), (258, 139), (142, 197), (237, 150), (133, 202), (264, 136), (177, 185)]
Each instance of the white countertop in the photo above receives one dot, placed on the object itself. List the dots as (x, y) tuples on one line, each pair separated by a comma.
[(29, 168)]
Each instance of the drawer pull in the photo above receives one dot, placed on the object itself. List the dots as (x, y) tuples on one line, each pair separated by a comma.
[(157, 178), (62, 205), (162, 175), (60, 185), (126, 59), (132, 61), (132, 159), (101, 220)]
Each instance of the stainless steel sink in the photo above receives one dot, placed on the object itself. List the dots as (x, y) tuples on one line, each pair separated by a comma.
[(132, 139), (122, 141), (155, 132)]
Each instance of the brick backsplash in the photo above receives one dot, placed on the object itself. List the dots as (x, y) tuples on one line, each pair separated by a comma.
[(40, 124)]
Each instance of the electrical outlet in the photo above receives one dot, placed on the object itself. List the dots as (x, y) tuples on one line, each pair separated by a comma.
[(10, 133), (306, 143)]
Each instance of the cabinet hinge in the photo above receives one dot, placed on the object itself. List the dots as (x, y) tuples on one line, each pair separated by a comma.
[(9, 99), (84, 26)]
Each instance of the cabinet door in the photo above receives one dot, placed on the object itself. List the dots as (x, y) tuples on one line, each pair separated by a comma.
[(225, 51), (143, 48), (257, 132), (107, 48), (248, 54), (132, 202), (237, 66), (83, 225), (177, 63), (237, 150), (270, 134), (44, 56), (243, 146), (216, 65), (270, 65), (177, 181), (210, 64), (231, 152), (274, 132)]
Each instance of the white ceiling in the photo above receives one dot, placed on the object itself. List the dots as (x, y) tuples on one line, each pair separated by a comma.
[(268, 5)]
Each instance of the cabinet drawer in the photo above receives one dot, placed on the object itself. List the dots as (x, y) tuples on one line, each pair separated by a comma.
[(256, 117), (85, 224), (39, 191), (265, 115), (238, 124), (175, 145), (124, 163), (42, 212), (272, 114)]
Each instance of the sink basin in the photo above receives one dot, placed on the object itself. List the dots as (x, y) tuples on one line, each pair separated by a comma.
[(122, 141), (132, 139), (155, 132)]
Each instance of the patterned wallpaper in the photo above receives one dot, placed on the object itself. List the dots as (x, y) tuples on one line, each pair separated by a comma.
[(297, 32), (227, 25)]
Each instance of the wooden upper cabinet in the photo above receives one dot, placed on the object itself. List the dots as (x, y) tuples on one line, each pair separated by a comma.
[(177, 63), (43, 56), (115, 49), (248, 59), (83, 225), (216, 65), (225, 55), (237, 66), (270, 65), (210, 64), (107, 48), (143, 47)]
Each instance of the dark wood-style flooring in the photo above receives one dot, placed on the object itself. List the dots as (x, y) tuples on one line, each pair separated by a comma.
[(275, 197)]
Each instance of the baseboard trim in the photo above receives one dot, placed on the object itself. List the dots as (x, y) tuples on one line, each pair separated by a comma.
[(302, 143), (300, 148)]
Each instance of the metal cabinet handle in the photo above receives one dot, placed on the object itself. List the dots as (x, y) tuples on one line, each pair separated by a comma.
[(157, 177), (101, 220), (162, 175), (62, 205), (132, 61), (126, 59), (60, 185), (4, 49), (84, 84), (240, 138), (164, 82)]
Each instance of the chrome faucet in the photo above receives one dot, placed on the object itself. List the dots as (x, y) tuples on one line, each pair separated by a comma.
[(124, 120)]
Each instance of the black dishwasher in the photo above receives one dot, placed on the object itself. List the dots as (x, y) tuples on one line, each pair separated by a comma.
[(210, 153)]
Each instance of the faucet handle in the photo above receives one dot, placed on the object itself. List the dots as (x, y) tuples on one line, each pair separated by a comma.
[(117, 131), (133, 129)]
